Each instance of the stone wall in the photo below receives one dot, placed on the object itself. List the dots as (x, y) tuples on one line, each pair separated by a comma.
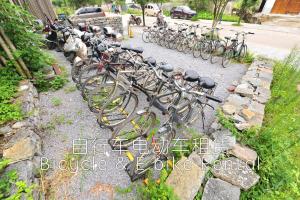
[(22, 143), (113, 21), (230, 162)]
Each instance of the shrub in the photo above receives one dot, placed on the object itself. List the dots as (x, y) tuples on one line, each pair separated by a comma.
[(9, 80), (134, 12), (209, 16), (156, 190), (44, 85), (18, 25), (10, 179)]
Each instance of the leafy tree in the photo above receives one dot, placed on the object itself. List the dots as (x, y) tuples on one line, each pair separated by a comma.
[(160, 2), (219, 7), (245, 7), (80, 3), (199, 5), (143, 4)]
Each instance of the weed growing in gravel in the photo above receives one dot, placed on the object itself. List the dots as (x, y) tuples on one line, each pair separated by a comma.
[(10, 185), (56, 101), (70, 89)]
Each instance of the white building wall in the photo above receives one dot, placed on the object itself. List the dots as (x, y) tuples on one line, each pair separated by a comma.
[(268, 6)]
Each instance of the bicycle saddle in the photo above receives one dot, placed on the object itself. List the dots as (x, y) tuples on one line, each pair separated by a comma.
[(150, 61), (227, 38), (166, 67), (136, 49), (206, 82), (191, 76), (114, 45), (234, 40)]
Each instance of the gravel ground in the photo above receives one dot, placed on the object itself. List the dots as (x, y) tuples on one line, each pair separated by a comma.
[(72, 121), (77, 122)]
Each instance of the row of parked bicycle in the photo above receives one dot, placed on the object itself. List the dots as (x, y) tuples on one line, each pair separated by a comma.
[(117, 81), (208, 44)]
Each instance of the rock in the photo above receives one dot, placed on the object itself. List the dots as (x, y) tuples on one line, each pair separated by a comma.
[(186, 179), (209, 150), (265, 76), (247, 114), (229, 109), (242, 126), (6, 130), (236, 172), (255, 82), (23, 88), (266, 70), (257, 120), (23, 145), (231, 88), (19, 125), (224, 140), (216, 189), (237, 100), (238, 119), (197, 159), (257, 107), (244, 153), (216, 126), (244, 90)]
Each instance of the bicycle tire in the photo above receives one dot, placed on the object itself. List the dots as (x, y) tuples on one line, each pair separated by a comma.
[(228, 55), (96, 81), (205, 49), (140, 125), (106, 116), (145, 36), (96, 100)]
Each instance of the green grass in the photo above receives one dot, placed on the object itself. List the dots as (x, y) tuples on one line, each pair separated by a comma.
[(133, 12), (56, 101), (70, 89), (166, 13), (278, 141), (9, 110), (209, 16)]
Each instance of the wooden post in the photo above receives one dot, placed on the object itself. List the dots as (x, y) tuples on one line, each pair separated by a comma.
[(13, 48), (10, 56)]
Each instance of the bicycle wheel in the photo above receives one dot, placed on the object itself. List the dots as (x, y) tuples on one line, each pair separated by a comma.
[(196, 50), (228, 55), (242, 52), (145, 36), (217, 51), (179, 46), (139, 125), (205, 49), (95, 81), (143, 161), (88, 72), (117, 109)]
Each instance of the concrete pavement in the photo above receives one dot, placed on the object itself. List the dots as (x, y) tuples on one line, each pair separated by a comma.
[(271, 41)]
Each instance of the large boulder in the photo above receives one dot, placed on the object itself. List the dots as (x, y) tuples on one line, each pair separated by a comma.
[(236, 172), (216, 189), (186, 179)]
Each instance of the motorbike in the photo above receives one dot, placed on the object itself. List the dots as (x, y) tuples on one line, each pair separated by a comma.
[(135, 20), (75, 47)]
